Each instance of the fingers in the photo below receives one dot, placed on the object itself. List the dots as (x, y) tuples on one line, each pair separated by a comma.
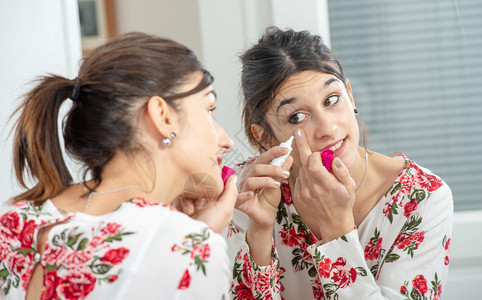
[(343, 175), (186, 206), (230, 192), (258, 183), (244, 197), (271, 154), (304, 149), (264, 170), (287, 166)]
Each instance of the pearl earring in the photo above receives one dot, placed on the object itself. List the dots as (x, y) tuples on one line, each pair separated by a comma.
[(167, 142), (355, 111)]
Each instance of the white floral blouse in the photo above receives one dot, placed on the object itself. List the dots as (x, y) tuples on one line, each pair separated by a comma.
[(142, 250), (399, 251)]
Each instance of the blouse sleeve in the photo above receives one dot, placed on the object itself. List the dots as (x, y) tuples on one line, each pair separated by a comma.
[(251, 281), (413, 265)]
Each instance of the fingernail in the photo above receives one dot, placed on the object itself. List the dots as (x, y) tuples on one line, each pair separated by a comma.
[(338, 163), (284, 149), (298, 133), (286, 173), (249, 194), (277, 183)]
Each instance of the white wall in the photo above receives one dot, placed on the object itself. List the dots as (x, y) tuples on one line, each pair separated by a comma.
[(36, 37), (178, 20)]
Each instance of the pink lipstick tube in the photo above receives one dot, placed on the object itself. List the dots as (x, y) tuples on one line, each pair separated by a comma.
[(327, 157), (226, 172)]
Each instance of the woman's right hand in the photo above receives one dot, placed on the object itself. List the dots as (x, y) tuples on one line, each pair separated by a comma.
[(263, 180)]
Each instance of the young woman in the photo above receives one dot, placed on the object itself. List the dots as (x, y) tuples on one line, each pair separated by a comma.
[(142, 125), (374, 227)]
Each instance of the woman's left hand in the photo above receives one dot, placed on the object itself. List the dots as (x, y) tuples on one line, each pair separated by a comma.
[(324, 200), (217, 213)]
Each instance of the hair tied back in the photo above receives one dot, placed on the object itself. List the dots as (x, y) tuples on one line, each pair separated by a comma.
[(76, 91)]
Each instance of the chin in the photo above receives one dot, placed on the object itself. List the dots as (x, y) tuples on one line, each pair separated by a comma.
[(203, 185)]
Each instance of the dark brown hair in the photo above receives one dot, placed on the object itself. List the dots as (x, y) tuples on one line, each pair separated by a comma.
[(266, 65), (115, 82)]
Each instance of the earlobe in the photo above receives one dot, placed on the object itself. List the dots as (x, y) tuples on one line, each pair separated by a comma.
[(257, 131), (259, 134)]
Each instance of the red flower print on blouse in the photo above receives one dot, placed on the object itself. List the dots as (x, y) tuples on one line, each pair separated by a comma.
[(11, 225), (343, 275), (232, 230), (18, 263), (51, 281), (388, 208), (77, 283), (55, 255), (111, 229), (290, 237), (203, 251), (141, 202), (410, 207), (447, 251), (115, 256), (413, 240), (248, 271), (194, 244), (26, 237), (286, 194), (406, 184), (243, 292), (324, 268), (76, 258), (426, 181), (263, 285), (420, 288), (420, 284), (317, 288), (437, 295), (185, 281), (372, 251)]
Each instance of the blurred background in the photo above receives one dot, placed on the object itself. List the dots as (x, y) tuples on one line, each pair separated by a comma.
[(415, 68)]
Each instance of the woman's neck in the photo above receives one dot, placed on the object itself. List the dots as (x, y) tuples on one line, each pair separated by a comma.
[(145, 174)]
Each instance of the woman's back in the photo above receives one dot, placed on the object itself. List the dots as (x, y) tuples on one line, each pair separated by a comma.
[(142, 249)]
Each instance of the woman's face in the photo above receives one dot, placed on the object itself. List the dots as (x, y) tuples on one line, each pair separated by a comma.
[(201, 142), (320, 105)]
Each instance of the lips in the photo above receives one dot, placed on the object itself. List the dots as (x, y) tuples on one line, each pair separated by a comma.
[(335, 146), (220, 160)]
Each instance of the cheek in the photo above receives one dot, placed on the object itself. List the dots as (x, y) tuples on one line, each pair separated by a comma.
[(198, 136)]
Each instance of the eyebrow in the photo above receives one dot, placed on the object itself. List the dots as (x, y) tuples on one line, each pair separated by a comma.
[(212, 92), (291, 100)]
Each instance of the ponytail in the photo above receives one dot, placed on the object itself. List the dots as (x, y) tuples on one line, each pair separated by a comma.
[(116, 80), (36, 146)]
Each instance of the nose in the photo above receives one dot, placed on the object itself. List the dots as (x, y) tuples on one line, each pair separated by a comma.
[(225, 142), (324, 124)]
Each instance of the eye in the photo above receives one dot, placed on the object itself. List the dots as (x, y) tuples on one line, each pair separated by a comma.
[(211, 111), (297, 118), (332, 100)]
